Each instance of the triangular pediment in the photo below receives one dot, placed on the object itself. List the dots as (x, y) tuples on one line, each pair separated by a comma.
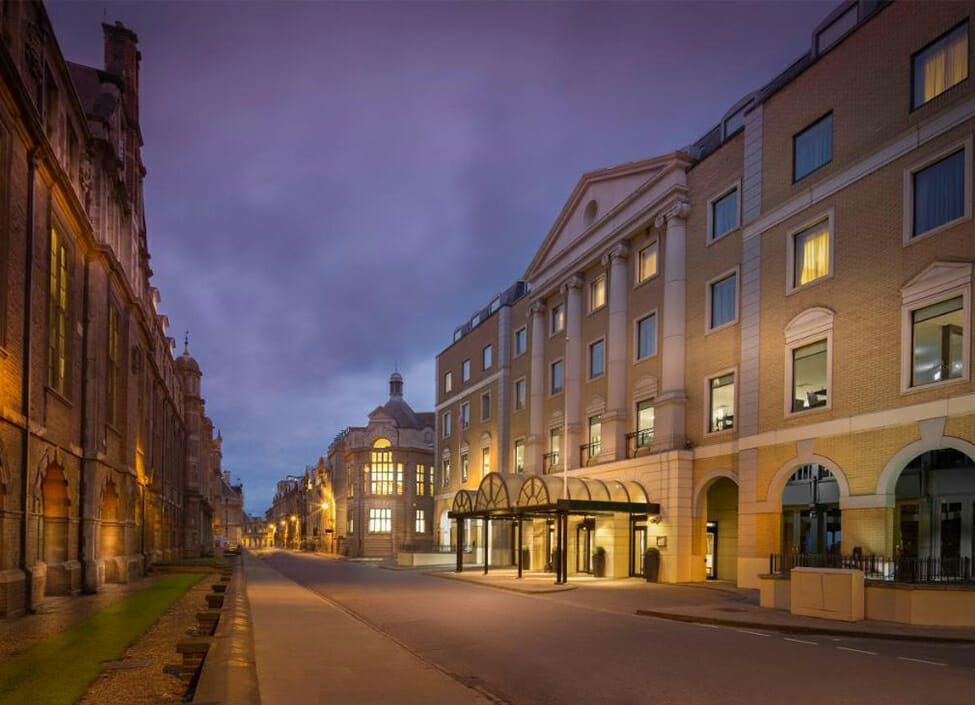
[(936, 278)]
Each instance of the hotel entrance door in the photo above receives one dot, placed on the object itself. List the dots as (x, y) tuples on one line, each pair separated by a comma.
[(711, 552), (639, 549), (584, 540)]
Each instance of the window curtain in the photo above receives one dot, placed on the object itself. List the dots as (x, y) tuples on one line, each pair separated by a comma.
[(939, 193), (812, 253), (941, 67), (723, 301), (725, 214), (814, 147)]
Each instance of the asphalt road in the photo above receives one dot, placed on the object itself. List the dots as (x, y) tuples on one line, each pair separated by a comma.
[(587, 646)]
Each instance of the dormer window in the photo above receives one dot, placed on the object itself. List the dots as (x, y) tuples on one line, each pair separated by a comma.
[(495, 304), (476, 320), (734, 122)]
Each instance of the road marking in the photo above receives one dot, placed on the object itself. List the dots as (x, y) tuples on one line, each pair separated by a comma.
[(921, 660), (857, 651), (802, 641), (708, 626), (745, 631)]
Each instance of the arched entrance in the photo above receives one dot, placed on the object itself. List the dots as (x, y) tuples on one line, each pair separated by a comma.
[(811, 517), (110, 532), (935, 508), (53, 526), (721, 547)]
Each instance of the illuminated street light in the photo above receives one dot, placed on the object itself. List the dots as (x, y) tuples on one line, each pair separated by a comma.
[(324, 505)]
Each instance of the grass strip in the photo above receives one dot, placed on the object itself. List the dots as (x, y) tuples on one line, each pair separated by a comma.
[(58, 670)]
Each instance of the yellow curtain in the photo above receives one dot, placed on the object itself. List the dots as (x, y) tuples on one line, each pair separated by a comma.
[(947, 67), (815, 255)]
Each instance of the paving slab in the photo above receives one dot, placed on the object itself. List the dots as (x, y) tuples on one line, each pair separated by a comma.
[(311, 651)]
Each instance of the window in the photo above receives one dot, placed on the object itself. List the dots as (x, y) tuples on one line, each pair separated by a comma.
[(646, 336), (722, 301), (811, 253), (485, 406), (554, 446), (812, 148), (476, 320), (485, 461), (556, 377), (521, 340), (445, 471), (458, 334), (595, 435), (446, 425), (58, 314), (113, 364), (465, 467), (937, 337), (558, 318), (350, 525), (420, 522), (382, 472), (644, 424), (380, 521), (646, 262), (520, 393), (810, 369), (465, 370), (597, 292), (421, 480), (939, 193), (494, 305), (721, 403), (519, 455), (734, 122), (597, 359), (723, 214), (940, 65), (486, 354), (465, 415), (448, 382)]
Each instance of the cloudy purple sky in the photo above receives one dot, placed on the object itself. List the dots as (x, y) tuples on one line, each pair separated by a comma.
[(333, 187)]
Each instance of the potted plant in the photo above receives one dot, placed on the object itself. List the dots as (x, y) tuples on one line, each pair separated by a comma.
[(651, 564), (599, 562)]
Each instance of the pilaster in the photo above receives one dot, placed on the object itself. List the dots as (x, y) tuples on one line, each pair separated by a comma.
[(536, 402), (572, 371), (614, 418)]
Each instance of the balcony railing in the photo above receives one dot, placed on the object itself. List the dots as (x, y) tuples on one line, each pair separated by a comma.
[(589, 452), (550, 462), (901, 569), (639, 442)]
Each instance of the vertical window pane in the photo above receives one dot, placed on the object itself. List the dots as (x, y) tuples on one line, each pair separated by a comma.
[(597, 293), (556, 376), (519, 456), (521, 340), (465, 467), (647, 262), (724, 214), (558, 318), (465, 370), (811, 254), (595, 435), (554, 445), (941, 66), (722, 412), (520, 394), (421, 522), (809, 376), (487, 356), (646, 336), (596, 355), (938, 342), (485, 461), (723, 301), (939, 193), (485, 407), (644, 424), (813, 147)]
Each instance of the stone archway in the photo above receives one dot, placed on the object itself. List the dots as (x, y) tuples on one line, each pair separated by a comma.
[(716, 518), (53, 523), (110, 534)]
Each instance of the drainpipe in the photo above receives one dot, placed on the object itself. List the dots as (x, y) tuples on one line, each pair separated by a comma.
[(26, 381), (82, 485)]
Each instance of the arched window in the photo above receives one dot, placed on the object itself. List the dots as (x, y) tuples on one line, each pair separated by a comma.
[(385, 476)]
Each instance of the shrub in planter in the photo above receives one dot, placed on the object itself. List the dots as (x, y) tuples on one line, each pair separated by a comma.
[(599, 562), (651, 564)]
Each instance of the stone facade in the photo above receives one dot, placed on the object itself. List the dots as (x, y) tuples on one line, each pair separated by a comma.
[(670, 301)]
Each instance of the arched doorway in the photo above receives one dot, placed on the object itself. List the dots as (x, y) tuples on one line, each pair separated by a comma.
[(811, 517), (110, 532), (53, 527), (935, 508), (721, 547)]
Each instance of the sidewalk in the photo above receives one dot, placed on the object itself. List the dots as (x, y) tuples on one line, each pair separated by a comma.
[(310, 651), (720, 604)]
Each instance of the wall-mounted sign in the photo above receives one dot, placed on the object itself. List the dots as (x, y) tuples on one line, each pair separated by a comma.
[(661, 542)]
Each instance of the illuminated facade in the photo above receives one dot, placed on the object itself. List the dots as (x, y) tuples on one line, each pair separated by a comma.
[(769, 330)]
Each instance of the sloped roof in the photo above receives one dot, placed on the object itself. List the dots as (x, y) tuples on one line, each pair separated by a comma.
[(96, 102), (403, 415)]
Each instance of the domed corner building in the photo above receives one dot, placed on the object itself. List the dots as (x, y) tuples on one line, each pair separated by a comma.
[(383, 480)]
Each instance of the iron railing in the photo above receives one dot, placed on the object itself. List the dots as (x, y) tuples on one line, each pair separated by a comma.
[(550, 462), (589, 452), (901, 569), (639, 442)]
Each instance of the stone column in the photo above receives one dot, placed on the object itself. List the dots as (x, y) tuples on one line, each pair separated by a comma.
[(614, 418), (536, 403), (572, 371), (669, 411)]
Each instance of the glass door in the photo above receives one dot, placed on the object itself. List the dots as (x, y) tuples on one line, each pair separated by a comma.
[(711, 552), (639, 549), (584, 547)]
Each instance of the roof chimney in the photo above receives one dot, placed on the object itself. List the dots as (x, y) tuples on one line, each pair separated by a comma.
[(122, 59)]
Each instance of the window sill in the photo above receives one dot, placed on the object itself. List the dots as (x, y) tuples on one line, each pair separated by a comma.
[(936, 385), (912, 239), (807, 412), (57, 395), (808, 285), (712, 240), (720, 434), (729, 324), (649, 279), (638, 360), (596, 310)]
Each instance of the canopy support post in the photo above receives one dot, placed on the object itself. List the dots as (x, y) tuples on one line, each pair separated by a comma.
[(518, 545), (460, 545), (487, 552), (558, 549)]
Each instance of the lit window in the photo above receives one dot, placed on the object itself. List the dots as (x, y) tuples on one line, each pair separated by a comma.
[(723, 298), (448, 382), (646, 336), (519, 456), (465, 370), (941, 65), (465, 415), (486, 357), (380, 521), (556, 377), (812, 148), (811, 254), (939, 193), (558, 318), (596, 359), (644, 424), (446, 424), (58, 314), (554, 446), (646, 262), (809, 376), (721, 403), (465, 467), (445, 471), (938, 342), (382, 471), (595, 435), (350, 525), (421, 480), (485, 406), (597, 292), (420, 522), (520, 394), (521, 340), (724, 214), (485, 461)]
